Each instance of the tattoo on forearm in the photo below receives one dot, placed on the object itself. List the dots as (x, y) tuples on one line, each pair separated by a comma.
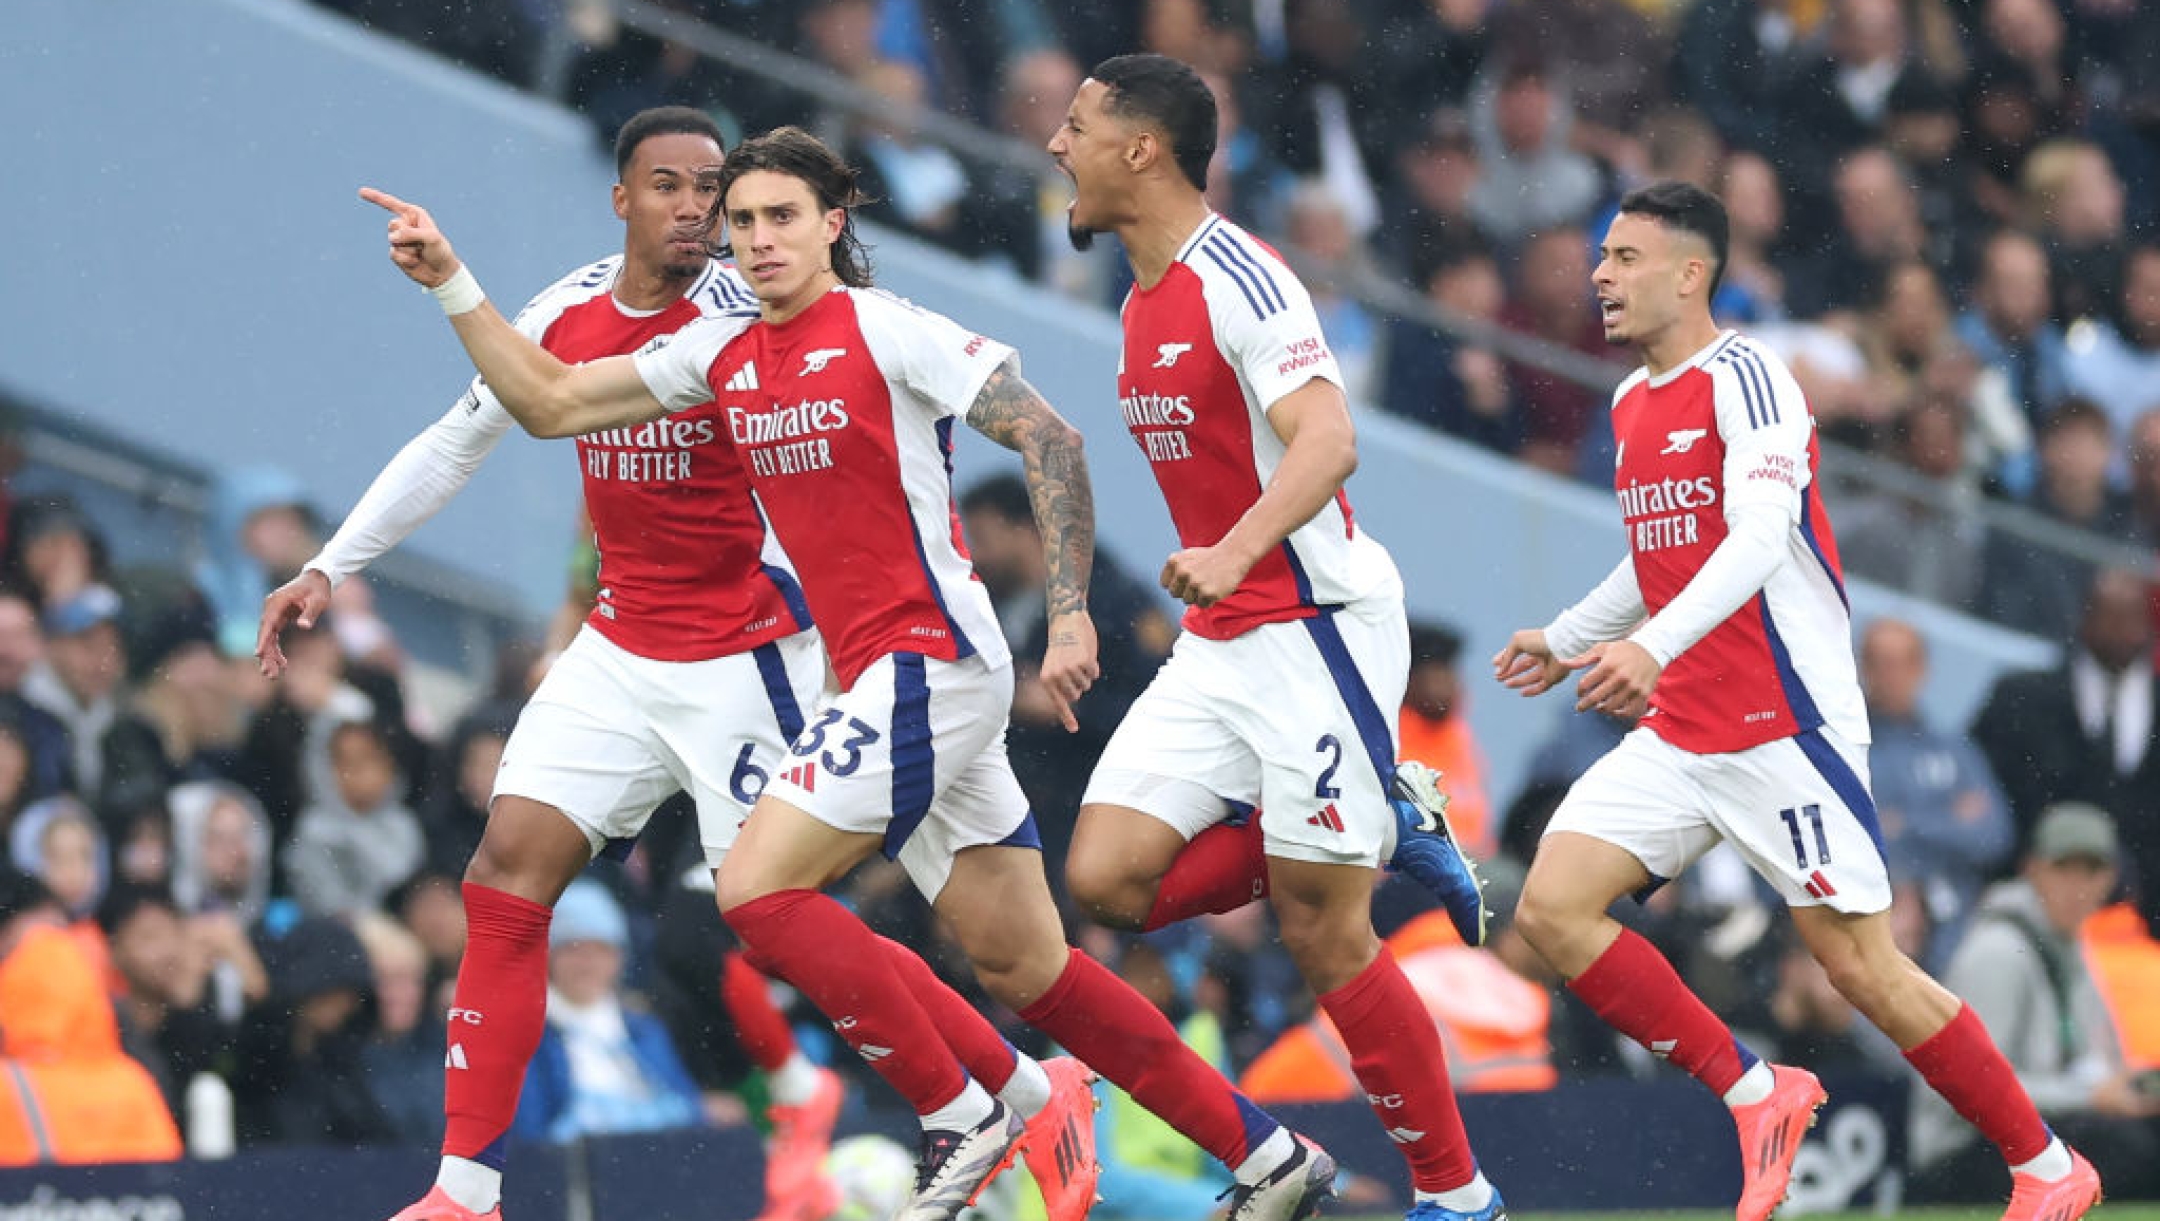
[(1012, 413)]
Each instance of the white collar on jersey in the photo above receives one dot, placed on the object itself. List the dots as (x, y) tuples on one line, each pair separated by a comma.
[(1707, 351), (1207, 226)]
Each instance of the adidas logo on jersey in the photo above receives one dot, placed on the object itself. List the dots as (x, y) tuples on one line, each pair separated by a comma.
[(1405, 1136), (456, 1058), (1329, 818), (745, 378), (815, 362), (872, 1052), (1167, 354), (1681, 440)]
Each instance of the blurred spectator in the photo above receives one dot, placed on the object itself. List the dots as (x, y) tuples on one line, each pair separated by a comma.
[(457, 810), (1753, 290), (1926, 543), (356, 841), (1445, 382), (1944, 822), (1531, 179), (1019, 215), (1429, 51), (431, 905), (1613, 59), (1435, 731), (602, 1066), (913, 183), (221, 850), (1906, 330), (695, 960), (2115, 360), (58, 842), (311, 695), (615, 72), (53, 550), (1436, 174), (1319, 228), (2074, 201), (76, 1096), (1842, 100), (2144, 461), (1735, 60), (142, 856), (2036, 589), (1552, 302), (2086, 731), (404, 1057), (49, 754), (2022, 972), (301, 1076), (1328, 113), (2009, 329), (1809, 1023), (1245, 180), (1878, 207), (1134, 635), (168, 1018), (259, 533), (80, 684), (187, 719), (2005, 119)]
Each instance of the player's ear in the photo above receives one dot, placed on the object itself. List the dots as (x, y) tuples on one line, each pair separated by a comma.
[(835, 221), (1142, 151), (621, 195)]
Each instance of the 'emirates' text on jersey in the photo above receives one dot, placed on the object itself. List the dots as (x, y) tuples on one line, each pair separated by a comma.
[(1221, 338), (687, 572), (843, 418), (1730, 427)]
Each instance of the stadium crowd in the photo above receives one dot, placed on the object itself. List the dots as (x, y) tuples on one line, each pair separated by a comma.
[(1943, 216)]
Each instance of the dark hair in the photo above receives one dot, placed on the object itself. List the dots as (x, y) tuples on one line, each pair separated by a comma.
[(127, 899), (1689, 209), (1169, 96), (1004, 495), (798, 154), (1434, 644), (662, 121), (2076, 412)]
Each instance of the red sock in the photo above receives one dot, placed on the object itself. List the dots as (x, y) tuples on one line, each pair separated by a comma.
[(1962, 1063), (495, 1021), (1221, 870), (759, 1025), (1113, 1030), (1638, 994), (1395, 1054), (981, 1050), (833, 958)]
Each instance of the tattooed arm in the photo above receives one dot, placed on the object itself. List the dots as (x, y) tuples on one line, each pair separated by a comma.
[(1012, 413)]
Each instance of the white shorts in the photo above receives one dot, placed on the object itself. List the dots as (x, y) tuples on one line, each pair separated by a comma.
[(915, 751), (1798, 809), (610, 735), (1295, 718)]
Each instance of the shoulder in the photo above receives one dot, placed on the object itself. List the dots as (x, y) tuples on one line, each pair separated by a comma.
[(572, 289), (1748, 375), (721, 290), (1243, 277)]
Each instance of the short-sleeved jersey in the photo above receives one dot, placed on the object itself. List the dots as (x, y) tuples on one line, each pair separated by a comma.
[(842, 417), (1209, 349), (1728, 428), (687, 571)]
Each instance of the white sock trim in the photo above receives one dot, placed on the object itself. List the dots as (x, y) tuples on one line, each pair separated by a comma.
[(1028, 1091), (1753, 1086), (2052, 1166), (1261, 1162), (969, 1108), (471, 1184)]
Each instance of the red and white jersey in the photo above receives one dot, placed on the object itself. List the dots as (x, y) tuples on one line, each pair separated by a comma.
[(687, 568), (843, 417), (1218, 341), (1727, 428)]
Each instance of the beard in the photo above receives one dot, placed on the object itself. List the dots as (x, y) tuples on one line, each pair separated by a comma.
[(1081, 237)]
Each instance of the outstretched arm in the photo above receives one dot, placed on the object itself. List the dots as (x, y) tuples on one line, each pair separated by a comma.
[(550, 398), (1010, 412), (1320, 452)]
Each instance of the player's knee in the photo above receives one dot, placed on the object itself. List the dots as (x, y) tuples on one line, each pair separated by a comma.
[(1545, 923), (1108, 893), (1862, 976)]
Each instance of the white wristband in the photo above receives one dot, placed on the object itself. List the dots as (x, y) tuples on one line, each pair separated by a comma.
[(460, 294)]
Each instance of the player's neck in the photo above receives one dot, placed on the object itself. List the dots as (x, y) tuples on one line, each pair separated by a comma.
[(1676, 343), (786, 309), (1159, 229), (650, 288)]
